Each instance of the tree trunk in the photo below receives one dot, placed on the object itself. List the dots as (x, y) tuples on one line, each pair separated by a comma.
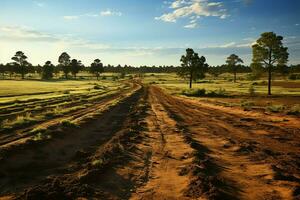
[(270, 80), (270, 72), (22, 72), (191, 79), (66, 76)]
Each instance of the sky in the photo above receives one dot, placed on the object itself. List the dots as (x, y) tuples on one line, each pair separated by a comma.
[(144, 32)]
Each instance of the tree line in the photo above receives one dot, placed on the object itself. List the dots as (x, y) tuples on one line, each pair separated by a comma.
[(269, 56)]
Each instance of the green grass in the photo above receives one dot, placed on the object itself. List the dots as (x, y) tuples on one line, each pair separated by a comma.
[(14, 90), (175, 84), (68, 124), (19, 121), (249, 95)]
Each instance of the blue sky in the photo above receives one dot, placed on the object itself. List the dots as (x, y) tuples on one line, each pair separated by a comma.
[(144, 32)]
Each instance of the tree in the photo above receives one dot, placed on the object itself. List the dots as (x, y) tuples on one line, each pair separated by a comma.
[(282, 69), (97, 68), (64, 61), (268, 51), (2, 70), (192, 67), (232, 62), (47, 71), (257, 70), (75, 67), (21, 62)]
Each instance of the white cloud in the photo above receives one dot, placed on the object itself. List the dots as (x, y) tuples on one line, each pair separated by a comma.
[(71, 17), (191, 26), (231, 44), (104, 13), (109, 12), (177, 3), (194, 9), (17, 33)]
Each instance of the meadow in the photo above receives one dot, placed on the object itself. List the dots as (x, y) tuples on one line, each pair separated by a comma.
[(248, 94)]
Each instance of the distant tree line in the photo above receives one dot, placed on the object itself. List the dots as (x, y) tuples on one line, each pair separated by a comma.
[(69, 66), (269, 56)]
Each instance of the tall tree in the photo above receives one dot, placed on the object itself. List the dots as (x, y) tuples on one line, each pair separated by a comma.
[(257, 70), (64, 61), (268, 51), (21, 61), (232, 62), (47, 71), (2, 70), (97, 68), (75, 67), (192, 67)]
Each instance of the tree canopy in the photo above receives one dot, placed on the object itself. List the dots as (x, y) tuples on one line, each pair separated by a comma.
[(97, 68), (269, 51), (193, 67), (20, 61), (64, 61), (232, 62)]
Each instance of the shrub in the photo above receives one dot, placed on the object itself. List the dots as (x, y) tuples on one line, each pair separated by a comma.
[(97, 87), (275, 108), (202, 93), (194, 93), (97, 163), (251, 90), (68, 124), (294, 76), (295, 110)]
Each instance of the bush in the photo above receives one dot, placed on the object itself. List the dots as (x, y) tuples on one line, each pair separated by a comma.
[(202, 93), (275, 108), (295, 110), (194, 93), (97, 87), (68, 124), (294, 76)]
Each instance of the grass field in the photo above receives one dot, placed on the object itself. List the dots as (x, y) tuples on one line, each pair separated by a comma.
[(28, 102), (246, 94)]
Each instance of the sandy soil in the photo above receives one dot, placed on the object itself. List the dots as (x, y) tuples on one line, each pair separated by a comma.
[(156, 146)]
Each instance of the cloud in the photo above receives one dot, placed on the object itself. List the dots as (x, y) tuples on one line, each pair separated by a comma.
[(109, 12), (194, 9), (71, 17), (104, 13), (191, 26), (19, 33)]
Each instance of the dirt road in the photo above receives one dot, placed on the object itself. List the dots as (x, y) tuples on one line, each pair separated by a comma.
[(156, 146)]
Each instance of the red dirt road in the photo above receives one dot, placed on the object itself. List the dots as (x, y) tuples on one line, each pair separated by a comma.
[(157, 146)]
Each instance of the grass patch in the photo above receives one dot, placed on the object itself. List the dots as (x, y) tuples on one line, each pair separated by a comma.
[(41, 136), (295, 110), (69, 124), (19, 121), (97, 163), (275, 108)]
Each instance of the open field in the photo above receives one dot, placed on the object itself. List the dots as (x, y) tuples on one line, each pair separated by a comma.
[(143, 139), (285, 98)]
